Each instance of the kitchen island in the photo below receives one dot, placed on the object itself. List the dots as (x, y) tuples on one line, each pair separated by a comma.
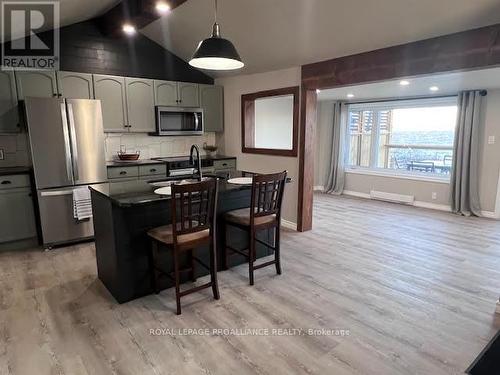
[(125, 211)]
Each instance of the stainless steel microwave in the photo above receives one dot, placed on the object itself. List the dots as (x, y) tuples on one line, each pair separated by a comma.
[(179, 121)]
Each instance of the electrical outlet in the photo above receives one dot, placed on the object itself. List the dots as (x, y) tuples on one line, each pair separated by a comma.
[(491, 140), (434, 195), (2, 157)]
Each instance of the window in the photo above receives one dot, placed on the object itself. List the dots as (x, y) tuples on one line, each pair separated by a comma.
[(269, 122), (408, 136)]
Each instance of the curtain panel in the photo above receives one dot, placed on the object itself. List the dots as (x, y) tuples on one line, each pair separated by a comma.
[(464, 177)]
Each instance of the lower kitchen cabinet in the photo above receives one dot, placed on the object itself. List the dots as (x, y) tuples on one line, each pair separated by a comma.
[(17, 218)]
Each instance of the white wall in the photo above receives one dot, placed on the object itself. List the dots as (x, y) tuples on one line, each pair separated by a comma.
[(230, 141), (423, 190)]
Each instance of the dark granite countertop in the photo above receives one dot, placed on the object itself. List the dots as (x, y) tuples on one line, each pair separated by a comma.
[(14, 170), (137, 192), (118, 163)]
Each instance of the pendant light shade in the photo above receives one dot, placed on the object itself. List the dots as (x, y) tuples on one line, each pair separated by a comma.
[(216, 53)]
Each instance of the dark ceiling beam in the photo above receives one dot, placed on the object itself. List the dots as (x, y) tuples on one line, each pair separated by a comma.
[(137, 12), (472, 49)]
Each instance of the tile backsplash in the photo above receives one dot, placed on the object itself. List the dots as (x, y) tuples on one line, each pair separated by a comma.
[(151, 147), (15, 150)]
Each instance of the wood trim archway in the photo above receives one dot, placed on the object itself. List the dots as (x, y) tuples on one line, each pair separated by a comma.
[(467, 50)]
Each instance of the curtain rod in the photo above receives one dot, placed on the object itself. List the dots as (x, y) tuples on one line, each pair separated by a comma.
[(368, 101), (481, 92)]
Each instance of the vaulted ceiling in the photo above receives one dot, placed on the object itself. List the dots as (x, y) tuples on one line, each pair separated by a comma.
[(73, 11), (275, 34)]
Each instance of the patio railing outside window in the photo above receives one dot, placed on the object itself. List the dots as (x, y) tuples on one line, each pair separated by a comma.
[(414, 136)]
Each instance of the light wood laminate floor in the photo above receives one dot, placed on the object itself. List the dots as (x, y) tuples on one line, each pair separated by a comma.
[(415, 288)]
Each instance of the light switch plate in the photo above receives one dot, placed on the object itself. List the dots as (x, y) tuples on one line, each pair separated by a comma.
[(1, 154), (491, 140)]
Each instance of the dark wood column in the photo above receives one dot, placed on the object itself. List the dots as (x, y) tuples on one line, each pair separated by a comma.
[(306, 160)]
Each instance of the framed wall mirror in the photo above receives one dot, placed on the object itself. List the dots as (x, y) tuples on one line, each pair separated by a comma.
[(270, 121)]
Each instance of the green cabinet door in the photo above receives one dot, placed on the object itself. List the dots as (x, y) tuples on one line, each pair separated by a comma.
[(110, 90), (165, 93), (140, 104), (9, 110), (17, 221), (212, 102), (41, 84), (188, 94), (73, 85)]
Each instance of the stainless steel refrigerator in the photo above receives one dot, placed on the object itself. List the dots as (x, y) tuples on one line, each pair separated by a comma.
[(67, 149)]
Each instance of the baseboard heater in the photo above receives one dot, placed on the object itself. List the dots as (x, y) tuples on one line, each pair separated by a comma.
[(391, 197)]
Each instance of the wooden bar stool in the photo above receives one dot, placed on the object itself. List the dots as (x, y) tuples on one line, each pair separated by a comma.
[(264, 213), (193, 209)]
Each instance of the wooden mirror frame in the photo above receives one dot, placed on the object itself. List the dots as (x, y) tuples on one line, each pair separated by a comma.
[(248, 120)]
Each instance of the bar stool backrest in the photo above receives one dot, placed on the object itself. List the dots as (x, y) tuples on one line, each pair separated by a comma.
[(267, 195), (193, 207)]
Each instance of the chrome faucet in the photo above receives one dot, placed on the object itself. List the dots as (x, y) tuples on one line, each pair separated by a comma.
[(198, 159)]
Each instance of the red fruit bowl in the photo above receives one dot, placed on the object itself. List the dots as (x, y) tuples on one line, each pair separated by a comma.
[(129, 157)]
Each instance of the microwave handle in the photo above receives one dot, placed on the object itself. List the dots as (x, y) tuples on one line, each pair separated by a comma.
[(196, 121)]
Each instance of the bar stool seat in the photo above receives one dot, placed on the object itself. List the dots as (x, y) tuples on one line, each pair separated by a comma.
[(242, 217), (165, 234), (264, 213), (193, 208)]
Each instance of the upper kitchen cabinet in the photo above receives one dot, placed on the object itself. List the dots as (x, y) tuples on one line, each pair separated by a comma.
[(188, 94), (176, 94), (9, 112), (166, 93), (41, 83), (212, 102), (140, 104), (111, 91), (75, 85)]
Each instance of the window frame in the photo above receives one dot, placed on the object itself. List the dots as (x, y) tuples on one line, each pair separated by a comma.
[(248, 121), (380, 105)]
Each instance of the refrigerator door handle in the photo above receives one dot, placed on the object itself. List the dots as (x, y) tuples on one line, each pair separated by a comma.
[(74, 145), (67, 146)]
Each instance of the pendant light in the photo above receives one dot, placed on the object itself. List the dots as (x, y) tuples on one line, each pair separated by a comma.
[(216, 53)]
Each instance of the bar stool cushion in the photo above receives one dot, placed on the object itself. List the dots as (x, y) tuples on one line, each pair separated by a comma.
[(242, 217), (165, 234)]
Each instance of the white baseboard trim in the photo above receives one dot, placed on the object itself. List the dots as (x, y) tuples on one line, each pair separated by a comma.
[(356, 194), (318, 188), (489, 215), (432, 206), (421, 204), (288, 225)]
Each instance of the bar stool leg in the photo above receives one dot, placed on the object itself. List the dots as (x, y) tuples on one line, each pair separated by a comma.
[(277, 254), (177, 281), (152, 266), (213, 270), (224, 247), (251, 256), (193, 270)]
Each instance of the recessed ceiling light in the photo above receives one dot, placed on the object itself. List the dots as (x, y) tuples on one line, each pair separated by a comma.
[(350, 95), (162, 7), (318, 91), (128, 29), (404, 82), (434, 88)]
